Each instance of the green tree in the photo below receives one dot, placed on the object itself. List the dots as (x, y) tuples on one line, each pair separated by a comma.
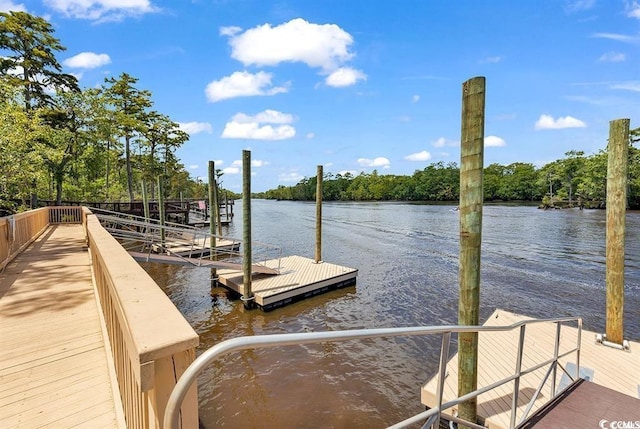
[(129, 105), (20, 164), (30, 61)]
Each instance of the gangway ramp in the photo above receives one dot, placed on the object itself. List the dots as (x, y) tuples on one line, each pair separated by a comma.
[(148, 240), (198, 262)]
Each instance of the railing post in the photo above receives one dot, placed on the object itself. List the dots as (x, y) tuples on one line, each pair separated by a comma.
[(442, 371), (516, 382), (556, 350)]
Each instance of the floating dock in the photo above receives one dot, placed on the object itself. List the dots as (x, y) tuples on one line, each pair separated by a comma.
[(618, 370), (299, 278)]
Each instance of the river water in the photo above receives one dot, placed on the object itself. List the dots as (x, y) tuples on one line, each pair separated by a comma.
[(534, 262)]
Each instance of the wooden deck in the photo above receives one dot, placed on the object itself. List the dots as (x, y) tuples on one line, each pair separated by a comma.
[(299, 278), (54, 368), (615, 369)]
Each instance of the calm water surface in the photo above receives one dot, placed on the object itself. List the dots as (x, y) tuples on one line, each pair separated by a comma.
[(534, 262)]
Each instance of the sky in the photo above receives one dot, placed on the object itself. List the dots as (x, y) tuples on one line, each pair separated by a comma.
[(360, 85)]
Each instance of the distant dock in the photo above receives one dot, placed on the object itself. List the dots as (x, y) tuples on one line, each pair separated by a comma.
[(299, 278)]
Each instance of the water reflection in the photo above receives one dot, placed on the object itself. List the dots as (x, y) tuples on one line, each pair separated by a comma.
[(539, 263)]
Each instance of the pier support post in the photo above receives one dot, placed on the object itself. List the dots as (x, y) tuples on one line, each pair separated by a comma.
[(212, 223), (319, 215), (145, 202), (246, 228), (616, 213), (470, 212), (161, 209)]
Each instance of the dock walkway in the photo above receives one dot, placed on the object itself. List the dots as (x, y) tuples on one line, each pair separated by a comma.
[(54, 366)]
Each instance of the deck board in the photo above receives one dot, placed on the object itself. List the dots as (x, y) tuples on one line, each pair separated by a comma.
[(614, 369), (53, 363)]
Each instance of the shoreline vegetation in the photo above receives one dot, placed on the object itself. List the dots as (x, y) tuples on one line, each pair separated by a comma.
[(62, 142), (574, 181)]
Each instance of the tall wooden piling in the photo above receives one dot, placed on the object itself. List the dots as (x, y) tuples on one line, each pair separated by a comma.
[(145, 202), (616, 213), (212, 204), (161, 209), (212, 223), (319, 215), (470, 212), (246, 228)]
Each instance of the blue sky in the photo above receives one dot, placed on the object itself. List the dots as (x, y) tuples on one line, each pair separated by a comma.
[(360, 85)]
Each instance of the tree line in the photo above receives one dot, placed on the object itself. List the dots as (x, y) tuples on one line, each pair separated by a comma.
[(575, 180), (58, 140)]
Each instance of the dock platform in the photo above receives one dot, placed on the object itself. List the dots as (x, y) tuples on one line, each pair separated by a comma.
[(611, 368), (299, 278)]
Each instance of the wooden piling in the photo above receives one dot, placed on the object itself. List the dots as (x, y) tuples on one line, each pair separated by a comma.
[(470, 212), (616, 213), (145, 202), (161, 209), (212, 223), (212, 204), (246, 229), (319, 215)]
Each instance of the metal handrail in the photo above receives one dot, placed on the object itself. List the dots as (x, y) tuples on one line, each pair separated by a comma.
[(433, 415), (147, 232)]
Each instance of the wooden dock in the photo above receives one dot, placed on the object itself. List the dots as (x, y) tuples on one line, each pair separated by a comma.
[(299, 278), (54, 368), (618, 370)]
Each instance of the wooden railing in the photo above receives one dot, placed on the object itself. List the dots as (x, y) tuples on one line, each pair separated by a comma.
[(151, 342), (20, 230)]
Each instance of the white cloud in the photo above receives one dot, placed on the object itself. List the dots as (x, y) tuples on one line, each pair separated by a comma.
[(494, 141), (243, 126), (290, 177), (632, 85), (415, 98), (236, 130), (102, 10), (310, 136), (376, 162), (259, 163), (633, 10), (612, 57), (230, 31), (344, 76), (268, 117), (8, 5), (195, 127), (231, 170), (87, 60), (616, 36), (419, 156), (546, 122), (242, 84), (345, 172), (579, 5), (325, 46), (193, 166), (442, 142)]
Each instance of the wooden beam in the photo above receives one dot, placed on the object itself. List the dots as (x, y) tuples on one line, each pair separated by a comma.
[(616, 212), (470, 212)]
